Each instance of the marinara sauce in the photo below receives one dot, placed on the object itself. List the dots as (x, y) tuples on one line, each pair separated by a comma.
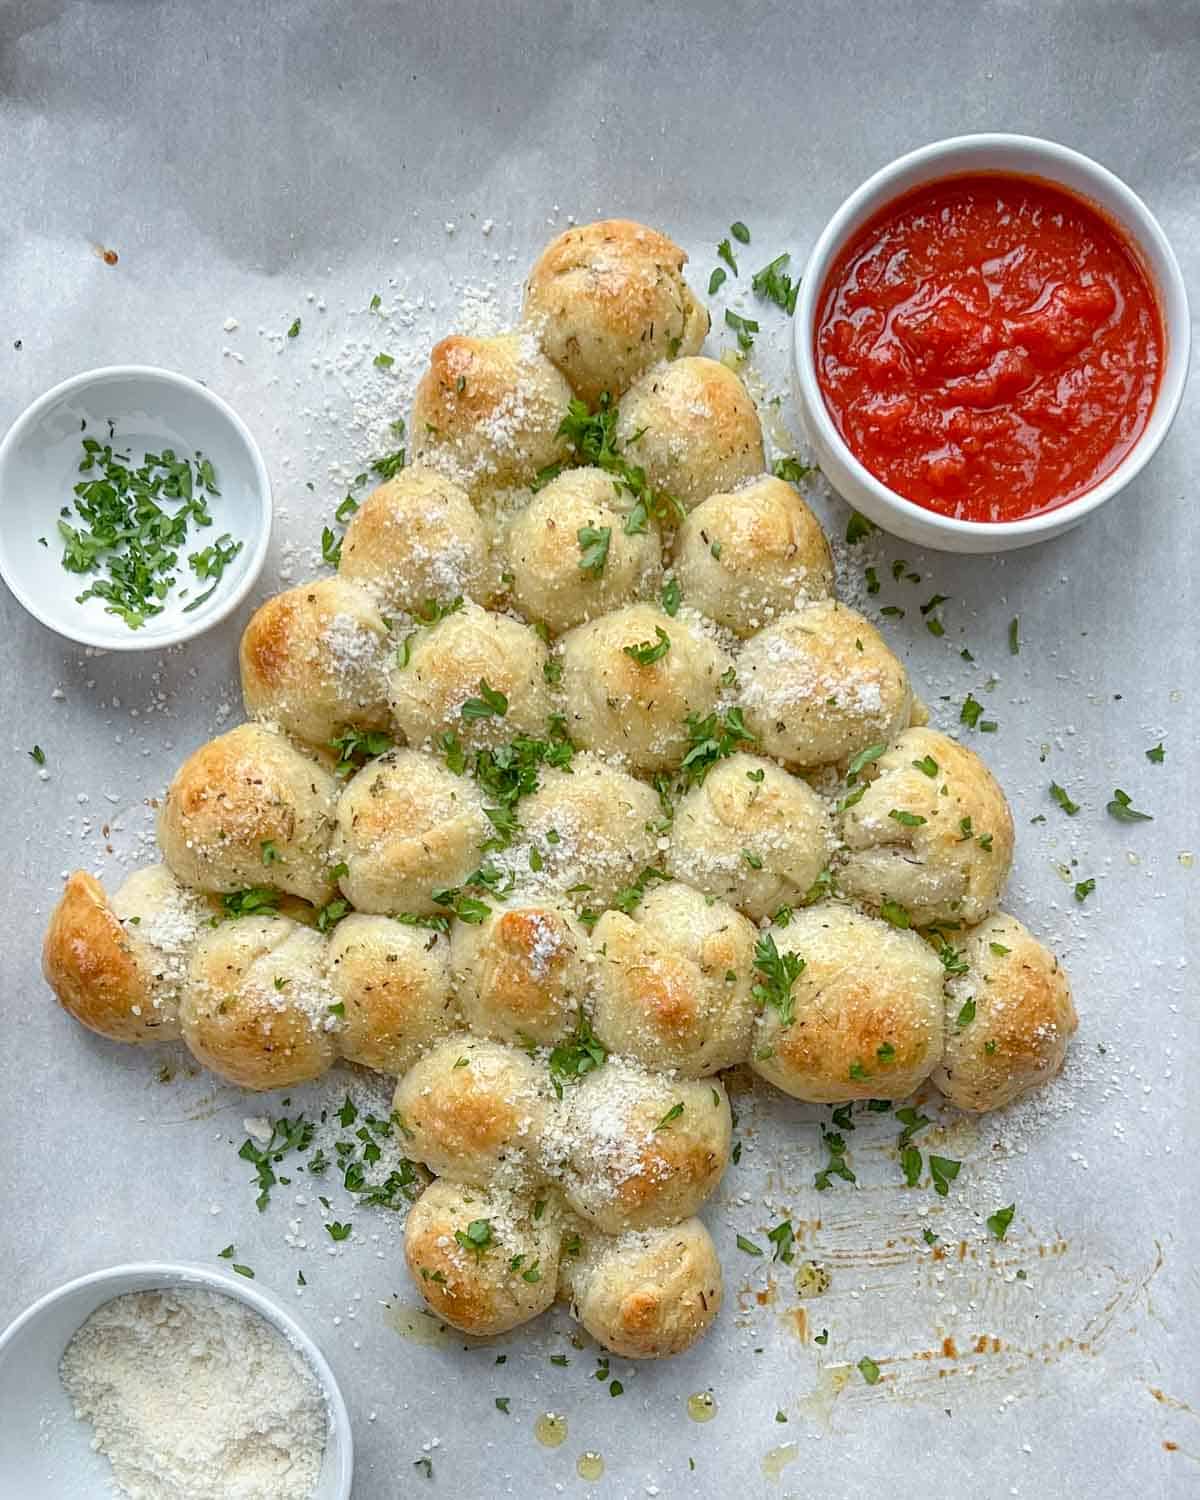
[(989, 346)]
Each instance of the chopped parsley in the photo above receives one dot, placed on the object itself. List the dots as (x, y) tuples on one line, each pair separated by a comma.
[(712, 739), (835, 1145), (646, 653), (1121, 808), (355, 746), (792, 469), (671, 597), (858, 528), (580, 1054), (895, 915), (1063, 799), (745, 328), (37, 755), (1084, 888), (774, 283), (927, 765), (490, 703), (779, 973), (999, 1221), (593, 548), (130, 537), (670, 1117), (1014, 636), (869, 1370), (294, 330), (476, 1237), (748, 1246), (1156, 754), (725, 253), (784, 1239), (906, 819), (943, 1170)]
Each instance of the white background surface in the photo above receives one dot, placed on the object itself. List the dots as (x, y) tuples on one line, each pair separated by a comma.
[(240, 165)]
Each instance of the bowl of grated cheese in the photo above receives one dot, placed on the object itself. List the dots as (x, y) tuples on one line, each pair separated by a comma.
[(168, 1382)]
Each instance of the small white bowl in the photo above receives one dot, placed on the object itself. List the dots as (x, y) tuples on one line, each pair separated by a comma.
[(150, 409), (1024, 156), (46, 1452)]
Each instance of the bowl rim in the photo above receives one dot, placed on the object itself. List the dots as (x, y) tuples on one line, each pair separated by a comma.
[(945, 158), (204, 619), (171, 1274)]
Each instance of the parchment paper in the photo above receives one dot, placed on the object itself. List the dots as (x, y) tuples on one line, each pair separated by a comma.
[(268, 161)]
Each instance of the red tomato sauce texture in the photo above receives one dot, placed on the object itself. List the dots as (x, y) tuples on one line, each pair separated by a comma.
[(989, 346)]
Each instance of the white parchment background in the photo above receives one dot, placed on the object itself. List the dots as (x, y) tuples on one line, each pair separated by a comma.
[(262, 161)]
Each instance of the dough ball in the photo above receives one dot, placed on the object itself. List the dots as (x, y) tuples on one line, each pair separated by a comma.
[(588, 830), (692, 427), (649, 1295), (484, 1260), (487, 411), (638, 1149), (867, 1010), (522, 973), (931, 831), (812, 696), (745, 558), (414, 539), (633, 709), (751, 835), (1008, 1018), (118, 966), (435, 683), (393, 981), (472, 1109), (256, 1006), (407, 826), (579, 518), (250, 809), (673, 982), (312, 661), (609, 300)]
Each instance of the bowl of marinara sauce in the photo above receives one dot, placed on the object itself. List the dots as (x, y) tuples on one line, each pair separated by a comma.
[(992, 339)]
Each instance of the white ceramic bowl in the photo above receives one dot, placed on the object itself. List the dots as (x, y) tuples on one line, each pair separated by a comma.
[(45, 1451), (1029, 157), (150, 409)]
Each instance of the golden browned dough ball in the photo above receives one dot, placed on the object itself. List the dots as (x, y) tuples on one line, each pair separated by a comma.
[(673, 982), (570, 555), (745, 558), (636, 706), (522, 974), (931, 831), (484, 1260), (864, 1018), (608, 301), (312, 661), (649, 1295), (393, 980), (820, 685), (414, 539), (406, 826), (487, 411), (588, 831), (750, 834), (118, 966), (472, 1108), (692, 427), (256, 1005), (444, 676), (1008, 1018), (250, 809), (636, 1148)]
